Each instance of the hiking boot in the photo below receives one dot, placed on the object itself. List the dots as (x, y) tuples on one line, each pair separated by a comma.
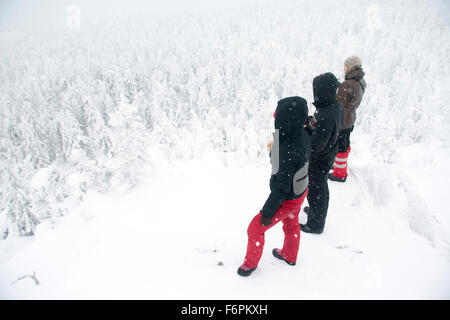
[(308, 229), (245, 271), (276, 253), (332, 177)]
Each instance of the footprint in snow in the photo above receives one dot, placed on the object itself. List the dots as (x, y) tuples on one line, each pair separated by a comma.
[(351, 249), (205, 250)]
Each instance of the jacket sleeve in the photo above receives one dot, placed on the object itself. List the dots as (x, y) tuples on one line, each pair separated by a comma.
[(349, 95), (280, 185), (321, 134), (343, 93)]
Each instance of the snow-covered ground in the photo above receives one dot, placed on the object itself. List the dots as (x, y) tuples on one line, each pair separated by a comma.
[(182, 235), (178, 104)]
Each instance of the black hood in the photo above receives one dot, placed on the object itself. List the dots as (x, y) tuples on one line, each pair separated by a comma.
[(290, 116), (324, 89)]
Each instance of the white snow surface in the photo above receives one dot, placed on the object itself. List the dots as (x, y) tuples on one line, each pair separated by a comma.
[(180, 232), (165, 239)]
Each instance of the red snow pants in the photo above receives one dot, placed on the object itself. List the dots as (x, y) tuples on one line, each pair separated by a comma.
[(288, 214)]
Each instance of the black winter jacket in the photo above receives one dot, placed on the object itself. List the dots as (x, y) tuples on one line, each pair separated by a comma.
[(329, 119), (289, 154)]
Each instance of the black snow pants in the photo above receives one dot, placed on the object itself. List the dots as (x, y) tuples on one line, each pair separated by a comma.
[(318, 196), (344, 139)]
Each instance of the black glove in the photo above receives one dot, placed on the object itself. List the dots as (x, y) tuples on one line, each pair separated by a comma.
[(310, 125), (312, 121), (265, 221)]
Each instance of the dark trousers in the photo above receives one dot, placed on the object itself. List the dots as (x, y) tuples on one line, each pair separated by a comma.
[(344, 139), (318, 196)]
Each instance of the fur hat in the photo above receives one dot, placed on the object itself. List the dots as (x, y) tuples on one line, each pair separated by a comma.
[(352, 62)]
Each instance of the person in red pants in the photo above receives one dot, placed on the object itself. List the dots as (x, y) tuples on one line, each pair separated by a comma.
[(289, 156), (350, 94), (288, 214)]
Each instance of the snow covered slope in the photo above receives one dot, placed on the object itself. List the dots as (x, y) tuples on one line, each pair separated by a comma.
[(178, 105), (168, 238)]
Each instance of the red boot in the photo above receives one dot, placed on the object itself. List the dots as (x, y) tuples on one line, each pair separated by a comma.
[(340, 167)]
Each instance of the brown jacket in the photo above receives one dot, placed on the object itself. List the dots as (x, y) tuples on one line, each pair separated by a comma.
[(350, 94)]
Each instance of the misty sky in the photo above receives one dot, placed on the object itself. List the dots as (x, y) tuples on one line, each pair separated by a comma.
[(19, 14), (42, 14)]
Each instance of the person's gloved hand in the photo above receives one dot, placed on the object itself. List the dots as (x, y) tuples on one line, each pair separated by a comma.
[(312, 121), (310, 125), (265, 221)]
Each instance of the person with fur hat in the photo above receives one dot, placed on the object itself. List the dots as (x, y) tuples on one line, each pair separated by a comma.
[(350, 94), (325, 127), (289, 156)]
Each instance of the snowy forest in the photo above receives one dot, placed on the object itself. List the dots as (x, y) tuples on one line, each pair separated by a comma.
[(102, 106)]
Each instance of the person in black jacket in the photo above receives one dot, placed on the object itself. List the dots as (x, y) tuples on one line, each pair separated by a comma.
[(289, 157), (324, 129)]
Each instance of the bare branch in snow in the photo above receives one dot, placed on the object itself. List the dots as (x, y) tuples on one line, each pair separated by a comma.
[(32, 276)]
